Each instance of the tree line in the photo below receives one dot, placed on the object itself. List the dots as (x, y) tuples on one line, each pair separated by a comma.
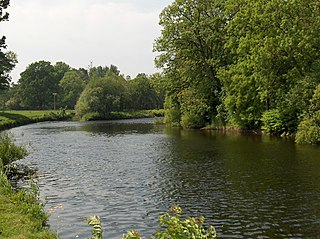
[(96, 89), (247, 64), (254, 65), (102, 89)]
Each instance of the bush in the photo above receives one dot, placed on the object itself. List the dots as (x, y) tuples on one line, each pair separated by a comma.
[(176, 228), (309, 130), (9, 152), (272, 122)]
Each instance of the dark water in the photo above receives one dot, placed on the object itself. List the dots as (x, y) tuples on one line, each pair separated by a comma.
[(129, 172)]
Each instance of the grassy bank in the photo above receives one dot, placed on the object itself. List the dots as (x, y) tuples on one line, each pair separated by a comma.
[(22, 217), (14, 118)]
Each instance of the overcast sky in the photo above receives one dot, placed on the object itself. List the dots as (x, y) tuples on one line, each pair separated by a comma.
[(104, 32)]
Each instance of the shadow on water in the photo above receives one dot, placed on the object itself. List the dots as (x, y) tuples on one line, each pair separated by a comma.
[(246, 185)]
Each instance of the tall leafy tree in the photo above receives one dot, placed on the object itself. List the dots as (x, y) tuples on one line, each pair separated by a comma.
[(143, 94), (72, 85), (37, 85), (8, 60), (60, 68), (192, 50), (102, 95)]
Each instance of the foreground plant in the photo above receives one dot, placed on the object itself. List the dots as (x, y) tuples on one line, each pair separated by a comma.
[(97, 231), (177, 228), (173, 227), (9, 151)]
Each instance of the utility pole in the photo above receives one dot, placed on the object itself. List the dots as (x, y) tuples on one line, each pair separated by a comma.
[(54, 100)]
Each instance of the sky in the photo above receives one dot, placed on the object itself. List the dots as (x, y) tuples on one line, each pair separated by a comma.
[(78, 32)]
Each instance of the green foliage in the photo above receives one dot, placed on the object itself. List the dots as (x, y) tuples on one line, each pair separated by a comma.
[(37, 85), (102, 95), (193, 109), (309, 128), (191, 51), (8, 60), (173, 227), (22, 216), (172, 111), (124, 115), (13, 118), (97, 231), (132, 235), (9, 151), (143, 95), (177, 228), (252, 63), (272, 123), (274, 46), (72, 84)]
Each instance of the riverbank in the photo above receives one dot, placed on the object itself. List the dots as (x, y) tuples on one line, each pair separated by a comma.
[(124, 115), (14, 118), (22, 216)]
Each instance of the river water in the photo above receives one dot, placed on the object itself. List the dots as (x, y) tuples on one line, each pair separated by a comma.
[(129, 172)]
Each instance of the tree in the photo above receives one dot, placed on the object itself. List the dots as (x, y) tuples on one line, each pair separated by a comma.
[(143, 94), (72, 84), (102, 96), (37, 85), (274, 47), (192, 49), (8, 60), (60, 68)]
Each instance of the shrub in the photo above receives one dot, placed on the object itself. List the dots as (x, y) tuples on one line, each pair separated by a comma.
[(193, 108), (173, 227), (177, 228), (9, 151), (309, 129), (272, 122)]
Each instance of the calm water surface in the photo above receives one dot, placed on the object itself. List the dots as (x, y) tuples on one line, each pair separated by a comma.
[(129, 172)]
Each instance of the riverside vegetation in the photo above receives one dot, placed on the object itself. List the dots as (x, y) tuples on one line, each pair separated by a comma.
[(22, 215)]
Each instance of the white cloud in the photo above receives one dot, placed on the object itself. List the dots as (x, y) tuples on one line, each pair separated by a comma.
[(79, 31)]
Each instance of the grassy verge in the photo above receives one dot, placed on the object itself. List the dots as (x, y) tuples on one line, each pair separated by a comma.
[(22, 216), (13, 118)]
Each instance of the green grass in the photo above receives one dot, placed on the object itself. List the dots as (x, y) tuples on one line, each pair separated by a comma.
[(22, 217), (13, 118)]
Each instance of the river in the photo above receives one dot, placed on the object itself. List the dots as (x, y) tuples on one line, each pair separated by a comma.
[(130, 171)]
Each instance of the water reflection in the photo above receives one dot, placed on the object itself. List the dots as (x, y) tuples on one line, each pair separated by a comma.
[(247, 185), (129, 172)]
